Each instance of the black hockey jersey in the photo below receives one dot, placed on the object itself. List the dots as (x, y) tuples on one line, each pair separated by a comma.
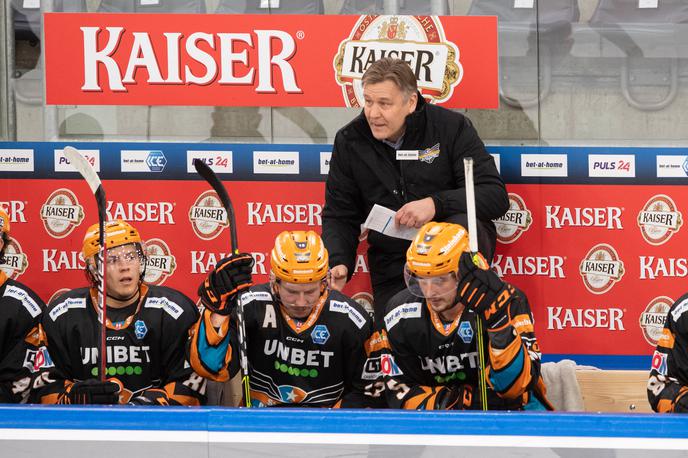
[(23, 358), (668, 382), (319, 363), (145, 352), (426, 356)]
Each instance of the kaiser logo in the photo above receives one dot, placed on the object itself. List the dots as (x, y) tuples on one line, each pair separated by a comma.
[(365, 300), (601, 268), (659, 220), (515, 222), (418, 40), (207, 215), (61, 213), (14, 262), (15, 208), (160, 263), (653, 317)]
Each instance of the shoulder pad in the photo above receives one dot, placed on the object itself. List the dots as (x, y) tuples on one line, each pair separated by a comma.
[(69, 303), (402, 312), (679, 309), (172, 308), (256, 296), (26, 300), (348, 309)]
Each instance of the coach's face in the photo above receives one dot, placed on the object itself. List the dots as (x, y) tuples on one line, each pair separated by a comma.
[(386, 108)]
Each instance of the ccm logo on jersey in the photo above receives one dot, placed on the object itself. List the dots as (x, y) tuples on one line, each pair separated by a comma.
[(659, 362), (343, 307)]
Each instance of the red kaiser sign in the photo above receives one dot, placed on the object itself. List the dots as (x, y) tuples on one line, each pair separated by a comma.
[(263, 60)]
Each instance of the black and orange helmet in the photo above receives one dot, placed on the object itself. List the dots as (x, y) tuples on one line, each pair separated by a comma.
[(299, 257)]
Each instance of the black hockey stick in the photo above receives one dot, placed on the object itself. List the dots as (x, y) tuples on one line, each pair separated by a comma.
[(89, 173), (209, 176)]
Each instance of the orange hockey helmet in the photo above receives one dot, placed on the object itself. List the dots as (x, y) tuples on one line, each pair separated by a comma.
[(436, 249), (299, 257), (117, 233)]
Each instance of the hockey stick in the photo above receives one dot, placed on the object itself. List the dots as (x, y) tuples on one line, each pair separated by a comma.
[(473, 246), (209, 176), (89, 174)]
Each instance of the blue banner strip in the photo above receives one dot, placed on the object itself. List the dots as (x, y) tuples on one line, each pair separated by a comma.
[(518, 164)]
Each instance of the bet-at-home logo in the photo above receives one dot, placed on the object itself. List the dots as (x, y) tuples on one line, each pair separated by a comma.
[(418, 40)]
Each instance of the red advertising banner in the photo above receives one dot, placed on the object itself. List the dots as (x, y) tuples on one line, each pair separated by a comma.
[(600, 264), (263, 60)]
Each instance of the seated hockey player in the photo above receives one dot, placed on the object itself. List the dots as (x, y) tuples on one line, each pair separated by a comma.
[(433, 358), (668, 382), (306, 343), (147, 332), (23, 359)]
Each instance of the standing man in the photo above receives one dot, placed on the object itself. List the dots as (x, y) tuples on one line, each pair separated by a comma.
[(23, 359), (307, 344), (406, 155), (147, 333), (434, 340)]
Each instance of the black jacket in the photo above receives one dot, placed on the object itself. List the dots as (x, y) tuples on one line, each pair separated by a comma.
[(364, 172)]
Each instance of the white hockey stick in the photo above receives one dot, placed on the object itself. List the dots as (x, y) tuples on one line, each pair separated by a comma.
[(473, 246), (89, 173)]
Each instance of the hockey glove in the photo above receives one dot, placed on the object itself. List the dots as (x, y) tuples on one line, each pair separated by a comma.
[(230, 276), (92, 391), (484, 292), (454, 398), (151, 397)]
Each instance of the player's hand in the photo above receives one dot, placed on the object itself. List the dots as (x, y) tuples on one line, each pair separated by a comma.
[(454, 398), (337, 277), (230, 276), (483, 291), (93, 391), (150, 397), (416, 213)]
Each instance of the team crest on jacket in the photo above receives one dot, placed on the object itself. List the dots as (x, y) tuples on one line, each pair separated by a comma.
[(653, 317), (466, 332), (140, 329), (320, 334), (430, 154), (61, 213), (659, 219), (207, 215), (15, 262), (601, 268), (160, 263), (515, 221), (419, 40)]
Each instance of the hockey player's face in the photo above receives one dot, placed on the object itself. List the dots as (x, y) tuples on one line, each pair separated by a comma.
[(386, 108), (123, 271), (440, 291), (299, 299)]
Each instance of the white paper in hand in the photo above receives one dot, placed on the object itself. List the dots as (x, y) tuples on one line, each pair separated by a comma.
[(381, 219)]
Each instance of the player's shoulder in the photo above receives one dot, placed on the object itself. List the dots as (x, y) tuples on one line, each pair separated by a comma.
[(401, 309), (342, 306), (170, 301), (68, 304), (678, 310), (24, 297), (257, 296)]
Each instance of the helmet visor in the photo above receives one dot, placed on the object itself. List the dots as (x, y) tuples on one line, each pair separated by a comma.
[(432, 286)]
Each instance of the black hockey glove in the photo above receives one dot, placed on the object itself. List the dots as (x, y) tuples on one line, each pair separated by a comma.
[(484, 292), (151, 397), (6, 394), (92, 391), (454, 398), (230, 276)]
